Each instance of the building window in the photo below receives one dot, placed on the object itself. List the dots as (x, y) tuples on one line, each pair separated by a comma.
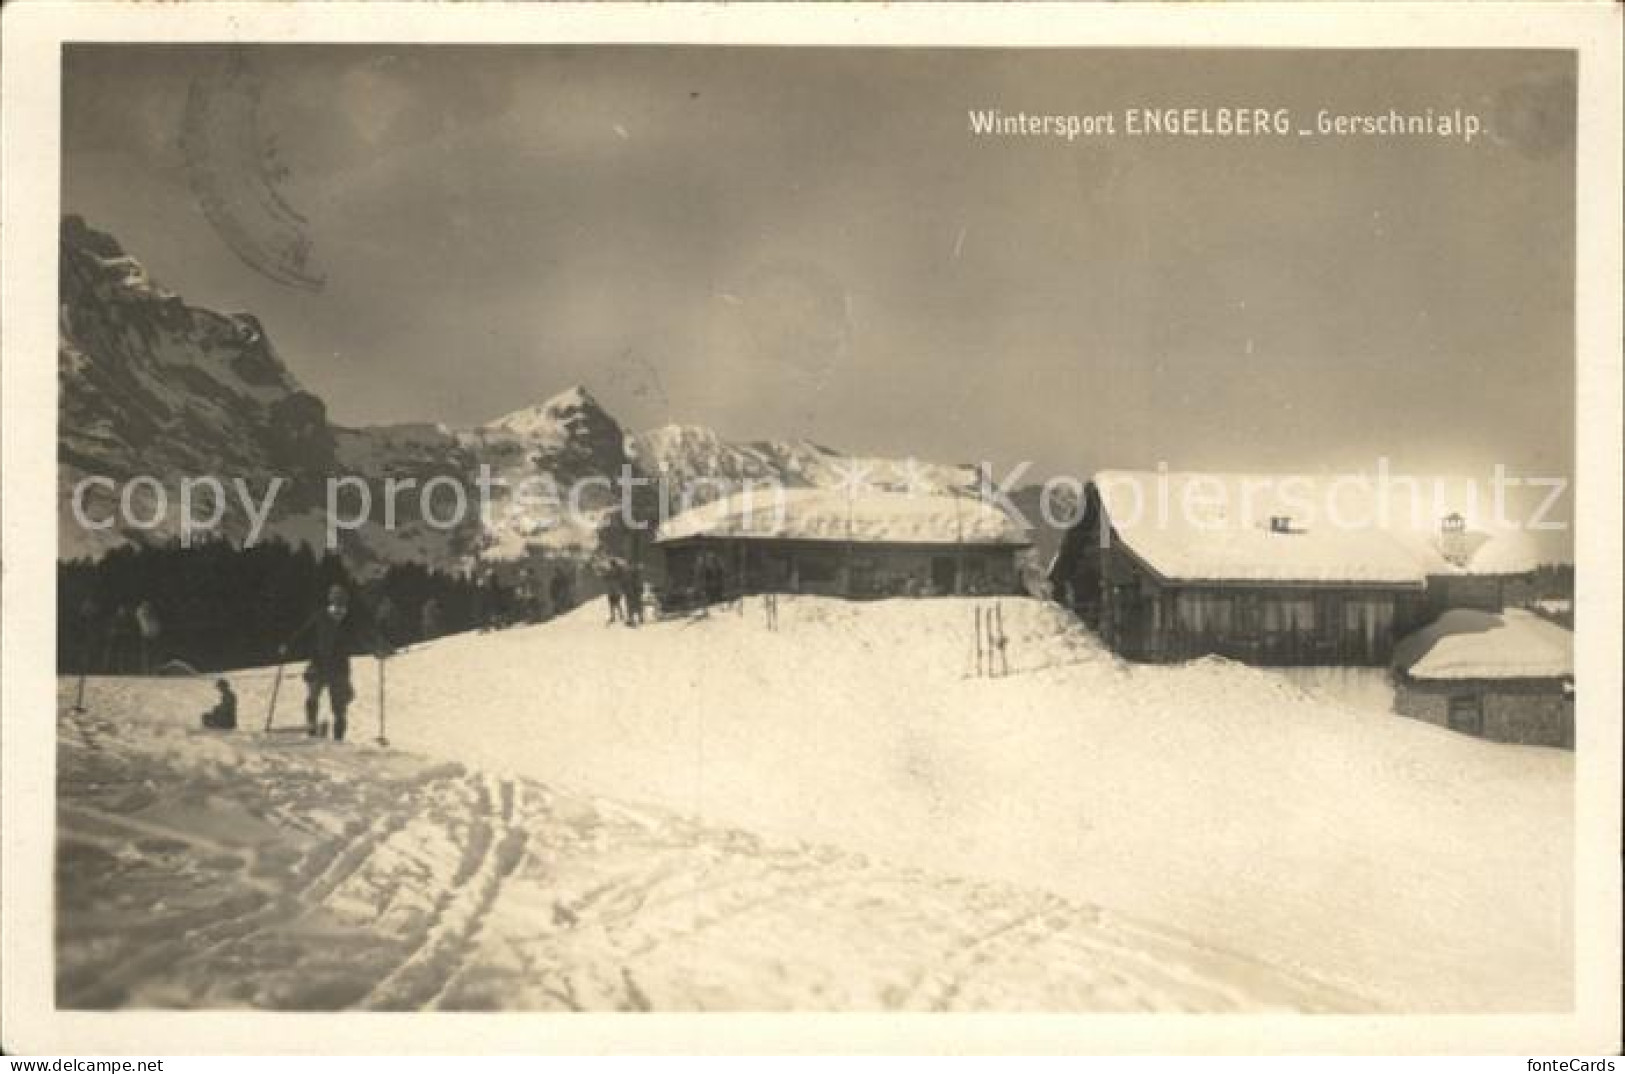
[(1368, 620), (1288, 616), (1205, 613), (1467, 713), (1248, 613)]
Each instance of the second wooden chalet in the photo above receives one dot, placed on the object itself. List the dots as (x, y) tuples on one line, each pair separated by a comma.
[(1172, 566)]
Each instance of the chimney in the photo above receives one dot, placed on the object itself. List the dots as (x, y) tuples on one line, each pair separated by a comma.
[(1453, 539)]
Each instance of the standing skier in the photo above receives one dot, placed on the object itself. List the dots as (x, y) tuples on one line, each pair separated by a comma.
[(337, 631)]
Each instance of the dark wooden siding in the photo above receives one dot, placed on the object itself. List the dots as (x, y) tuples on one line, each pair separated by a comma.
[(1148, 618), (856, 569)]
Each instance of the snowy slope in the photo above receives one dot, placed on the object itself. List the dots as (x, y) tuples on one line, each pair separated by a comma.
[(1398, 865), (1218, 800), (207, 871)]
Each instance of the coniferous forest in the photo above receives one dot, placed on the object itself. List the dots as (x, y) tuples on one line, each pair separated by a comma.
[(213, 606)]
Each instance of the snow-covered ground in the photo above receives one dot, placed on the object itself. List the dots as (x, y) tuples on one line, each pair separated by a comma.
[(207, 870), (836, 814)]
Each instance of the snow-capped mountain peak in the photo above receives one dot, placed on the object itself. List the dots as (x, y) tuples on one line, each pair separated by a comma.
[(554, 418), (153, 385)]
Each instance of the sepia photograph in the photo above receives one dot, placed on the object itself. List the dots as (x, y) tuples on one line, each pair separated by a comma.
[(592, 526)]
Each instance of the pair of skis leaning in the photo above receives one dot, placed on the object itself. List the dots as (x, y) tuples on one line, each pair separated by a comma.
[(992, 644)]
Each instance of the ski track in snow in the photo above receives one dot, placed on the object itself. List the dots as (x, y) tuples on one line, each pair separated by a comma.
[(211, 871), (539, 841)]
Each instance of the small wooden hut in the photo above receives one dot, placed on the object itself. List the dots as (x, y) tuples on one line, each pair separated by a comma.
[(1506, 676)]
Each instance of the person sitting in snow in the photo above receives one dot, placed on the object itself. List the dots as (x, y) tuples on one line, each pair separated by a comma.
[(337, 631), (223, 717)]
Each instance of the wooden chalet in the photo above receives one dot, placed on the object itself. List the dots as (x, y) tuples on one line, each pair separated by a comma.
[(775, 540), (1167, 567)]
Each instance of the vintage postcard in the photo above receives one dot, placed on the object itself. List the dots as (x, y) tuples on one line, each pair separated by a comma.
[(1017, 528)]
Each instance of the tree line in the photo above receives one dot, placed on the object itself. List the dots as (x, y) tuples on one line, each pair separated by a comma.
[(215, 606)]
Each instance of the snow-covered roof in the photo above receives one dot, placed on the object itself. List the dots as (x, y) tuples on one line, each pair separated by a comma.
[(1512, 552), (1467, 644), (831, 515), (1194, 527)]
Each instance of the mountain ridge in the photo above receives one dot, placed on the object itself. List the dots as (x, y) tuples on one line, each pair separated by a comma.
[(153, 386)]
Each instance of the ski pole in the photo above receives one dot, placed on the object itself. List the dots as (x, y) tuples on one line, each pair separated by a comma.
[(382, 740), (978, 610), (1004, 641), (276, 685), (79, 692)]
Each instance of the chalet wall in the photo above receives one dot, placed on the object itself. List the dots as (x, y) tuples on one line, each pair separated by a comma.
[(1478, 592), (1144, 618), (863, 570), (1533, 712)]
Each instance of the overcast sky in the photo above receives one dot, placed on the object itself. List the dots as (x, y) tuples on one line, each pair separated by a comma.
[(811, 243)]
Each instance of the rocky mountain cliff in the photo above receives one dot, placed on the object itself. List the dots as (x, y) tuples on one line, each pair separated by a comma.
[(152, 386)]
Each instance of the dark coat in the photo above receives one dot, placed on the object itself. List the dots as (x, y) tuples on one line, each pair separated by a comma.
[(223, 717), (333, 641)]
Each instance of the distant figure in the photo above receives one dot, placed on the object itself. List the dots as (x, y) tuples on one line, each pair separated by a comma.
[(430, 617), (495, 603), (616, 583), (223, 717), (146, 618), (559, 591), (478, 601), (634, 596), (123, 641), (337, 631), (527, 606)]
